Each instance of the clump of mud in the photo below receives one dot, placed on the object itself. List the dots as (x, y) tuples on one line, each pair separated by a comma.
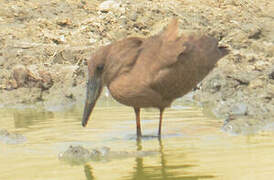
[(77, 155), (44, 47)]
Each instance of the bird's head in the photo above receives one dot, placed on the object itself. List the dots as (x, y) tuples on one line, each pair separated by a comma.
[(96, 70)]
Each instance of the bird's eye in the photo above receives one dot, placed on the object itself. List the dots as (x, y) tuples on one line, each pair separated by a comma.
[(100, 67)]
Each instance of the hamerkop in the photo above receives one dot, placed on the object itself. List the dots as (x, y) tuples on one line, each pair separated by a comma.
[(151, 72)]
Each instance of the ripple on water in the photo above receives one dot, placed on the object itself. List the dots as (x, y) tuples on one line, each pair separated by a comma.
[(11, 138)]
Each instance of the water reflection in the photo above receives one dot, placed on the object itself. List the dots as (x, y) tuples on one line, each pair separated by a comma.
[(29, 117), (88, 172), (141, 171), (198, 150)]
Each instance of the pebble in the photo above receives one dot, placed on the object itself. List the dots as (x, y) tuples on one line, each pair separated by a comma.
[(243, 125), (257, 83), (239, 109), (2, 60), (270, 90), (109, 5), (271, 75), (261, 65), (253, 31), (20, 74), (33, 72)]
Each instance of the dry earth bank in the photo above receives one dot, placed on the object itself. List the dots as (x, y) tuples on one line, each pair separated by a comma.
[(44, 46)]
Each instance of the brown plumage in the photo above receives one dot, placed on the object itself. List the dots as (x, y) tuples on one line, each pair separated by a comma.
[(151, 72)]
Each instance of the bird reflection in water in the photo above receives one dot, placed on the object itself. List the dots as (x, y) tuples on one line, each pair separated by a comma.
[(88, 172), (141, 171), (163, 170)]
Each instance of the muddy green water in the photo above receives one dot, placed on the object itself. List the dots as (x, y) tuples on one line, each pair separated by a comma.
[(193, 146)]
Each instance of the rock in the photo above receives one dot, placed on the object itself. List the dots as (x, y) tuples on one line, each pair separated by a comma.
[(268, 48), (31, 76), (68, 55), (75, 155), (243, 78), (271, 75), (214, 84), (261, 65), (242, 125), (79, 155), (60, 40), (57, 39), (238, 109), (33, 73), (20, 74), (257, 83), (109, 5), (133, 16), (46, 80), (64, 22), (64, 73), (92, 40), (2, 60), (253, 31), (270, 90)]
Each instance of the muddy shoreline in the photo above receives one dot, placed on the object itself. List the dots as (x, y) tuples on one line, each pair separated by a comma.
[(44, 47)]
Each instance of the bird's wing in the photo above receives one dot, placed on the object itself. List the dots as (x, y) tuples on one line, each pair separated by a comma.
[(163, 49), (181, 62)]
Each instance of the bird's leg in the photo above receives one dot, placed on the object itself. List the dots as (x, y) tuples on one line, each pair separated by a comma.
[(160, 122), (138, 124)]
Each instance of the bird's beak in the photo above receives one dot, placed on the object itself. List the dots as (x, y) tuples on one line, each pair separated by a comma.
[(94, 87)]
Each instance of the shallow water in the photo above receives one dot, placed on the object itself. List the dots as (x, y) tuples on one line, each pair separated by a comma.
[(192, 147)]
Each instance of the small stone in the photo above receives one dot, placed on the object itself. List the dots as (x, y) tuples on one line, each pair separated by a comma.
[(257, 83), (65, 74), (58, 58), (62, 39), (2, 60), (13, 84), (242, 78), (92, 40), (20, 74), (32, 73), (109, 5), (228, 2), (57, 39), (75, 155), (46, 80), (64, 22), (214, 84), (261, 65), (239, 109), (253, 31), (133, 16), (270, 90), (243, 125), (271, 75), (67, 55)]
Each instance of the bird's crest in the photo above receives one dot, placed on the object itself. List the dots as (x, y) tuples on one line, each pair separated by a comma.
[(171, 31)]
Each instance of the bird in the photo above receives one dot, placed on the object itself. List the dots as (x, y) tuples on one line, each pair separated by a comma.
[(151, 72)]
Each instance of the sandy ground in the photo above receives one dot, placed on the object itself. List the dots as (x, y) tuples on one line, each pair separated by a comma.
[(44, 46)]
